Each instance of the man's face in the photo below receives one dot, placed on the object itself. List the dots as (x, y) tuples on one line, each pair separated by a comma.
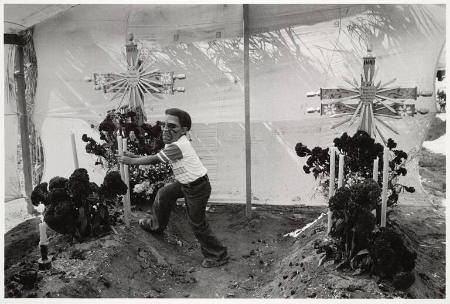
[(172, 130)]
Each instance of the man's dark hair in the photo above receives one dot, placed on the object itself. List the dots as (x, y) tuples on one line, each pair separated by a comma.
[(183, 117)]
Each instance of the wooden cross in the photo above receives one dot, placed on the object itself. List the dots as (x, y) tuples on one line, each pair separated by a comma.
[(139, 79), (375, 101)]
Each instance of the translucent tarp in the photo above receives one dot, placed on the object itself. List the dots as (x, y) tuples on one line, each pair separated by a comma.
[(294, 49), (90, 39), (11, 124), (314, 49)]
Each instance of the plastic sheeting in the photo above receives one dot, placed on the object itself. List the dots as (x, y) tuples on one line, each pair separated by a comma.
[(12, 182), (295, 49), (91, 39), (290, 61)]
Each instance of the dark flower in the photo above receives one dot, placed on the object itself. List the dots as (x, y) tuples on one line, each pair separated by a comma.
[(39, 194), (113, 185), (390, 255), (156, 131), (302, 150), (391, 144), (78, 185), (57, 182), (58, 195), (107, 125), (402, 171), (409, 189), (61, 217), (85, 138)]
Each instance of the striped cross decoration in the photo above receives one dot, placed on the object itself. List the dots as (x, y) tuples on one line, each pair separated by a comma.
[(139, 79), (367, 102)]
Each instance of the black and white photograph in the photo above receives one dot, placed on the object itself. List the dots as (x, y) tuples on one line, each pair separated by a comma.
[(224, 151)]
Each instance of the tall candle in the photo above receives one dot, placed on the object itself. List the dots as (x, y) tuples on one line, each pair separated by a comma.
[(120, 148), (341, 171), (127, 200), (43, 233), (375, 170), (331, 186), (384, 188), (74, 150)]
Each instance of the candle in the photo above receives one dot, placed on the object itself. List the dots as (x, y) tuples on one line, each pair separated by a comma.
[(74, 150), (331, 186), (384, 188), (120, 148), (341, 171), (43, 234), (127, 203), (375, 170)]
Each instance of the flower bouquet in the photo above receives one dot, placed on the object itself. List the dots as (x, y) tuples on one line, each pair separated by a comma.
[(360, 150), (142, 139)]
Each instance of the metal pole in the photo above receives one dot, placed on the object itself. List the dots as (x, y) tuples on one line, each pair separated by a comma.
[(248, 151), (23, 122)]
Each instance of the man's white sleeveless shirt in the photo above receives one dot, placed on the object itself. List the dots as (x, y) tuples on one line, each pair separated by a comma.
[(185, 162)]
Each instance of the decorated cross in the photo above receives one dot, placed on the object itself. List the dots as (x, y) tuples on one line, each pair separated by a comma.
[(139, 79), (374, 102)]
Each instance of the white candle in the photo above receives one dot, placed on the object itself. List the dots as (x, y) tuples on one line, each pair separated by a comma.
[(375, 169), (74, 150), (341, 171), (331, 186), (127, 203), (120, 148), (43, 234), (384, 188)]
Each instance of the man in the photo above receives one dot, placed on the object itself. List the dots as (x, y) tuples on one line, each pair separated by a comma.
[(192, 183)]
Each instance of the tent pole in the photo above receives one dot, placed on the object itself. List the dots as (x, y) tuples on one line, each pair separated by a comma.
[(248, 151), (23, 122)]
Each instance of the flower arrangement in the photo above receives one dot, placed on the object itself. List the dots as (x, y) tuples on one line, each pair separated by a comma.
[(357, 243), (78, 207), (359, 150), (143, 139)]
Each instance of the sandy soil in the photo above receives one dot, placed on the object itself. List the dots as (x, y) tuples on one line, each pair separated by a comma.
[(134, 263), (264, 263)]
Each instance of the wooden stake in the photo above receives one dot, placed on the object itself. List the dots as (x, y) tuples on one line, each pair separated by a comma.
[(384, 188), (331, 186), (341, 171), (127, 200), (375, 170), (74, 150)]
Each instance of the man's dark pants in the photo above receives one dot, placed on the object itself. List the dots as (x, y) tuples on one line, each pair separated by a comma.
[(196, 197)]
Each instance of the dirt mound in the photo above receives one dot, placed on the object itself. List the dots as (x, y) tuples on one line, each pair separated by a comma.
[(264, 262), (134, 263)]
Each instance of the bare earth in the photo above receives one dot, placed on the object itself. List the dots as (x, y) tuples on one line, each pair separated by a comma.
[(264, 263)]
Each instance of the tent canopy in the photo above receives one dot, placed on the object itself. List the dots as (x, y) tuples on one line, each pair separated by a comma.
[(294, 49)]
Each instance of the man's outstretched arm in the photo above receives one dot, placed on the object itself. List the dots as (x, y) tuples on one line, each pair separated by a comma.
[(143, 160)]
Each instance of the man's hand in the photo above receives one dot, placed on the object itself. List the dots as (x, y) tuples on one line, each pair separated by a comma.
[(124, 160)]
